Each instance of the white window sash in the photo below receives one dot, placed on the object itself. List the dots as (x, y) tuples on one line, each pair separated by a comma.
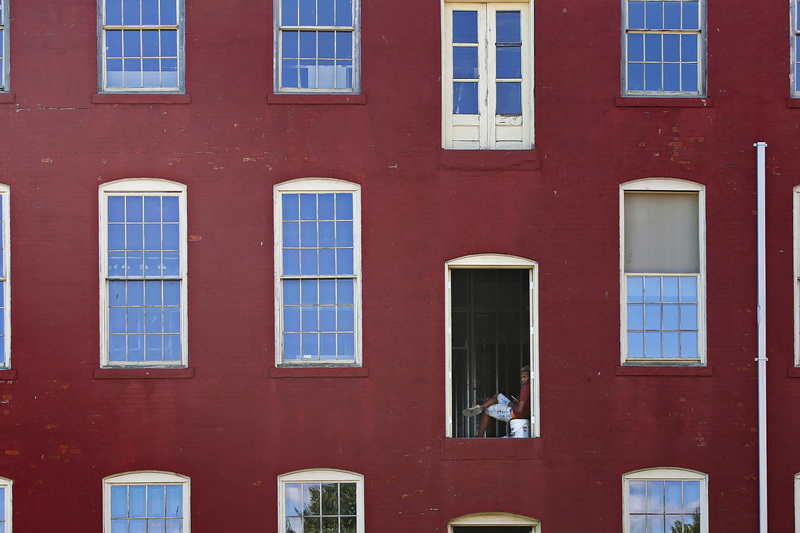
[(656, 185), (323, 475), (142, 187), (665, 474), (316, 186), (102, 47), (482, 131)]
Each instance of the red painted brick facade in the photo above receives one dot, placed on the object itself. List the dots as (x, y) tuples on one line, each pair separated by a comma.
[(235, 423)]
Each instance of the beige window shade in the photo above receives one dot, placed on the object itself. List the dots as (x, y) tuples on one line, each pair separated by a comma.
[(661, 232)]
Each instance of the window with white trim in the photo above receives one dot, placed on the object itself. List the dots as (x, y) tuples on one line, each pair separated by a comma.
[(491, 325), (493, 523), (143, 273), (4, 46), (663, 47), (797, 503), (797, 275), (317, 46), (663, 274), (5, 505), (5, 280), (321, 500), (318, 272), (487, 78), (795, 30), (146, 502), (665, 499), (141, 45)]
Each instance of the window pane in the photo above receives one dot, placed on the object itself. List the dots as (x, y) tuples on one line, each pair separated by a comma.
[(465, 26), (465, 98), (465, 62), (509, 98), (509, 62)]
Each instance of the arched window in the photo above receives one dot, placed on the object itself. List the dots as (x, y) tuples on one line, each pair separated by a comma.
[(143, 273), (662, 264), (491, 327), (317, 272), (665, 499), (5, 505), (146, 501), (321, 500)]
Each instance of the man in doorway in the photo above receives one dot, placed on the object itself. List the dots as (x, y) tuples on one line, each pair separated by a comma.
[(503, 408)]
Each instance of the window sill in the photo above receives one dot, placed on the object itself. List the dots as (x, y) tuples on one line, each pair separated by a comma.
[(656, 101), (141, 98), (475, 449), (8, 98), (319, 372), (9, 374), (316, 99), (651, 370), (793, 372), (143, 373), (507, 160), (793, 102)]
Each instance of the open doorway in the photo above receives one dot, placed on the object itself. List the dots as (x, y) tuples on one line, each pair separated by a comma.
[(490, 336)]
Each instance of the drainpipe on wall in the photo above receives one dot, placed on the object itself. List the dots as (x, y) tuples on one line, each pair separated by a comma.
[(762, 337)]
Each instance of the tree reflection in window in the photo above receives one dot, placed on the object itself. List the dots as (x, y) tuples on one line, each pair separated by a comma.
[(320, 507)]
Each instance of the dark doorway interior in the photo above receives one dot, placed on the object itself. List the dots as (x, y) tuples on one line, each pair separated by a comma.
[(491, 340)]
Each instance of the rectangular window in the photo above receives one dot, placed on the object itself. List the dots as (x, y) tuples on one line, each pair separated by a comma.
[(146, 502), (317, 46), (663, 47), (5, 288), (141, 46), (3, 45), (663, 281), (144, 273), (795, 53), (487, 100), (318, 261), (491, 323)]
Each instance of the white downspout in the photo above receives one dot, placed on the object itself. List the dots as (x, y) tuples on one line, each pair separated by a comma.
[(762, 335)]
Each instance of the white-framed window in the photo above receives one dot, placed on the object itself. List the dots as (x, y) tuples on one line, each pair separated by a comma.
[(141, 45), (796, 233), (4, 63), (317, 45), (487, 78), (321, 500), (797, 503), (663, 43), (146, 502), (662, 266), (143, 273), (5, 279), (317, 272), (5, 505), (665, 499), (491, 324), (795, 33), (493, 523)]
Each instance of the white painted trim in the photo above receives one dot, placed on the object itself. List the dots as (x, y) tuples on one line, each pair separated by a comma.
[(6, 68), (147, 477), (7, 484), (656, 185), (277, 45), (702, 57), (796, 281), (315, 185), (491, 260), (145, 186), (101, 53), (321, 475), (486, 121), (797, 503), (494, 519), (665, 474), (794, 34), (5, 199)]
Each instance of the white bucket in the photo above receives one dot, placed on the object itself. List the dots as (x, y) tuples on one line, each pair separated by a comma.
[(520, 428)]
